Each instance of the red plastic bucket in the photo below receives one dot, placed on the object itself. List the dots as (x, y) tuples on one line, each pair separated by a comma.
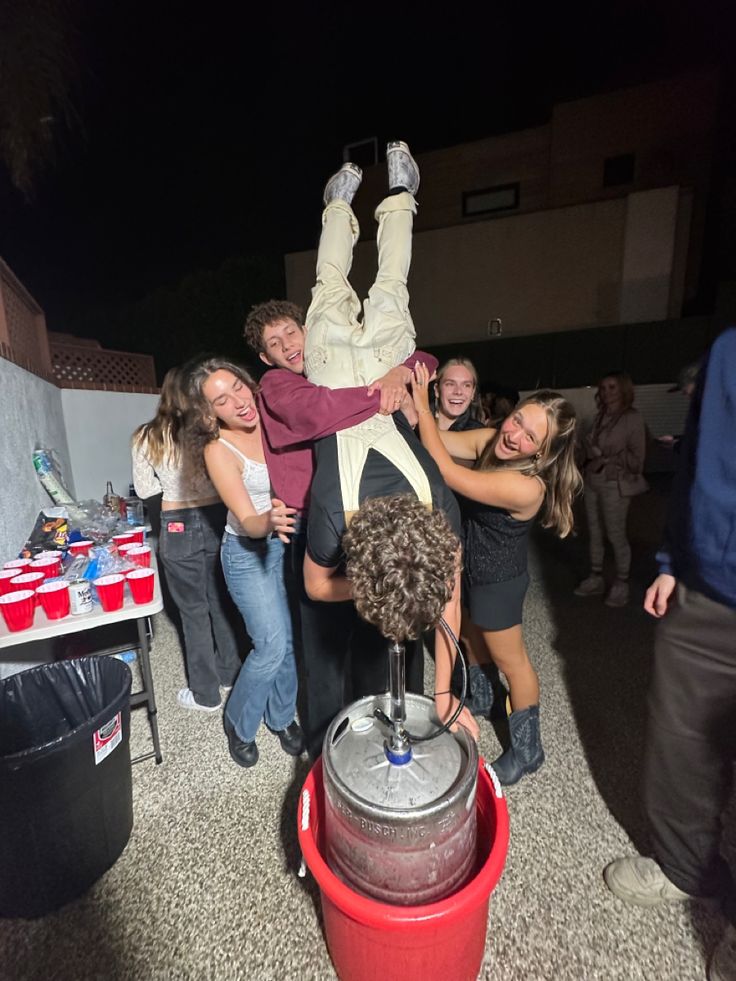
[(437, 942)]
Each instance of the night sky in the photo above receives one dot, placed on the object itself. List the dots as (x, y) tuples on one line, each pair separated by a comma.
[(208, 135)]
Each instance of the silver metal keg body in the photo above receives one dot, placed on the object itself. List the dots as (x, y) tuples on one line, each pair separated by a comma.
[(400, 820)]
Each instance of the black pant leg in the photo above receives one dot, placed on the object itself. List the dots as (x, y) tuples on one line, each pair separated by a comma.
[(690, 741)]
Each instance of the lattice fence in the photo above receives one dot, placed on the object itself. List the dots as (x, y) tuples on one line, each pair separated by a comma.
[(82, 366)]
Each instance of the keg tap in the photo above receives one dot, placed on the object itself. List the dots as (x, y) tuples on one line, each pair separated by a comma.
[(397, 746)]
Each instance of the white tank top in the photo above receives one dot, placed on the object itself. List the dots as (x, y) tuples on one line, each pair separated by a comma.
[(256, 481)]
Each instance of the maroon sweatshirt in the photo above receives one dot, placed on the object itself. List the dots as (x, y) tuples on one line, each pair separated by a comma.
[(294, 413)]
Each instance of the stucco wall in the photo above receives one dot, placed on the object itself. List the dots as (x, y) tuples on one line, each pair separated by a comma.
[(99, 426), (31, 415), (544, 271)]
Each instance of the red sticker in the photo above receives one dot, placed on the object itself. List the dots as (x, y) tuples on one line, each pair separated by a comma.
[(177, 527)]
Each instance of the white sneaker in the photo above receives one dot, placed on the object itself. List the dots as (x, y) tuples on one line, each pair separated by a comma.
[(343, 184), (723, 964), (402, 167), (641, 881), (618, 594), (185, 698), (593, 585)]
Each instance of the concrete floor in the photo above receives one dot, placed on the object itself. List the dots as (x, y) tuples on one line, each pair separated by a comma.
[(207, 886)]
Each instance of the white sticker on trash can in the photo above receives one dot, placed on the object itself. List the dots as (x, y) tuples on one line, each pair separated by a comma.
[(108, 737)]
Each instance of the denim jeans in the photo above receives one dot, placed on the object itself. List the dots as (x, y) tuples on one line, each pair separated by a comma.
[(190, 557), (266, 687)]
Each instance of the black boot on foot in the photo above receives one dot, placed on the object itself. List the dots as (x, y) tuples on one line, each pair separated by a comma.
[(525, 755)]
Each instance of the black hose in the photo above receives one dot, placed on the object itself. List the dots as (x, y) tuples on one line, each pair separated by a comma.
[(453, 719)]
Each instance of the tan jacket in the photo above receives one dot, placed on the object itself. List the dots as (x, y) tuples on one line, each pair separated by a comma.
[(616, 446)]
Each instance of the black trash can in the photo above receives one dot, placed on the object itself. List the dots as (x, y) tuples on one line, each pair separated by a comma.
[(66, 794)]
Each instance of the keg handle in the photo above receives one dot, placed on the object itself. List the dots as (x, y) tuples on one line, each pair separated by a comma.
[(398, 747)]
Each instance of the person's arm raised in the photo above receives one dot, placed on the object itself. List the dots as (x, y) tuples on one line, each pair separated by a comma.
[(509, 489)]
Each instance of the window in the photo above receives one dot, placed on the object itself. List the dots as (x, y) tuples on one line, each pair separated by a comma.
[(505, 197), (619, 170)]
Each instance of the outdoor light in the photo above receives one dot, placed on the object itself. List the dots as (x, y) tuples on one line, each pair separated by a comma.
[(494, 327)]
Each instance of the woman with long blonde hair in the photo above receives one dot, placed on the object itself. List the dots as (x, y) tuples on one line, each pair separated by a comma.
[(524, 468), (192, 523)]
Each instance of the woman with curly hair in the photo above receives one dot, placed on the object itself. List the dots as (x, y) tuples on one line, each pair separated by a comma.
[(524, 467), (192, 523), (227, 428)]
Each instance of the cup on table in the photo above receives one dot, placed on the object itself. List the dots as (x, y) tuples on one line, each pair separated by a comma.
[(141, 555), (124, 549), (54, 598), (124, 539), (141, 583), (80, 548), (5, 576), (27, 580), (50, 567), (110, 591), (139, 534), (18, 609), (20, 565)]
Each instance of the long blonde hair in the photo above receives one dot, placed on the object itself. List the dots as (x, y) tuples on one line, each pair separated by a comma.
[(161, 436), (554, 462)]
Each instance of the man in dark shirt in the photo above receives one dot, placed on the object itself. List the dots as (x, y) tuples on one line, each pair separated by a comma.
[(691, 734)]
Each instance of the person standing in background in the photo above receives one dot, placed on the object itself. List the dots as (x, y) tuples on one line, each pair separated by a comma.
[(613, 464), (192, 523), (457, 406), (691, 728)]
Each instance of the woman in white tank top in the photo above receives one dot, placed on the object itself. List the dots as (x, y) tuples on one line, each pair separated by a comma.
[(226, 423)]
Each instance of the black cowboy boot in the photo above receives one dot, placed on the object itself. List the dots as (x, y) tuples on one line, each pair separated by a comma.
[(525, 754)]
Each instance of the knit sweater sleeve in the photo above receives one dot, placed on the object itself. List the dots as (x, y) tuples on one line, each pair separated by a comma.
[(294, 411)]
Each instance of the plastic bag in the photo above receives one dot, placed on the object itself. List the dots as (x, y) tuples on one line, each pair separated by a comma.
[(95, 522)]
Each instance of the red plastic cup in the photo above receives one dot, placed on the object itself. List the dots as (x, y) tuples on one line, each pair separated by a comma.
[(18, 609), (110, 591), (141, 555), (122, 549), (5, 576), (80, 548), (141, 583), (18, 564), (124, 539), (49, 567), (139, 534), (27, 580), (54, 598)]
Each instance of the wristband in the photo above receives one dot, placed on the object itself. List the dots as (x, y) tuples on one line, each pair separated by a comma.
[(449, 692)]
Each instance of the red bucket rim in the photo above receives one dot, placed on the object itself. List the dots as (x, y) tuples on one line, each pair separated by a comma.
[(371, 912)]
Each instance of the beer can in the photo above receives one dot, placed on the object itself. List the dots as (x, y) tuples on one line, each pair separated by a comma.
[(80, 596)]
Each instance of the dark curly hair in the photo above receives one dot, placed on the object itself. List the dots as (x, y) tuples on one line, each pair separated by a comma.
[(402, 560), (267, 313)]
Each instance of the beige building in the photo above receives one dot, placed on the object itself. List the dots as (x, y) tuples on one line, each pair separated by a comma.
[(594, 219)]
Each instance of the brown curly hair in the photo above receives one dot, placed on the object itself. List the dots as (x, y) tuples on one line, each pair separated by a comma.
[(402, 560), (267, 313)]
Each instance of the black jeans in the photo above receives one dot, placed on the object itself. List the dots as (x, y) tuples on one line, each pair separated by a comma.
[(691, 743), (343, 657), (189, 548)]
